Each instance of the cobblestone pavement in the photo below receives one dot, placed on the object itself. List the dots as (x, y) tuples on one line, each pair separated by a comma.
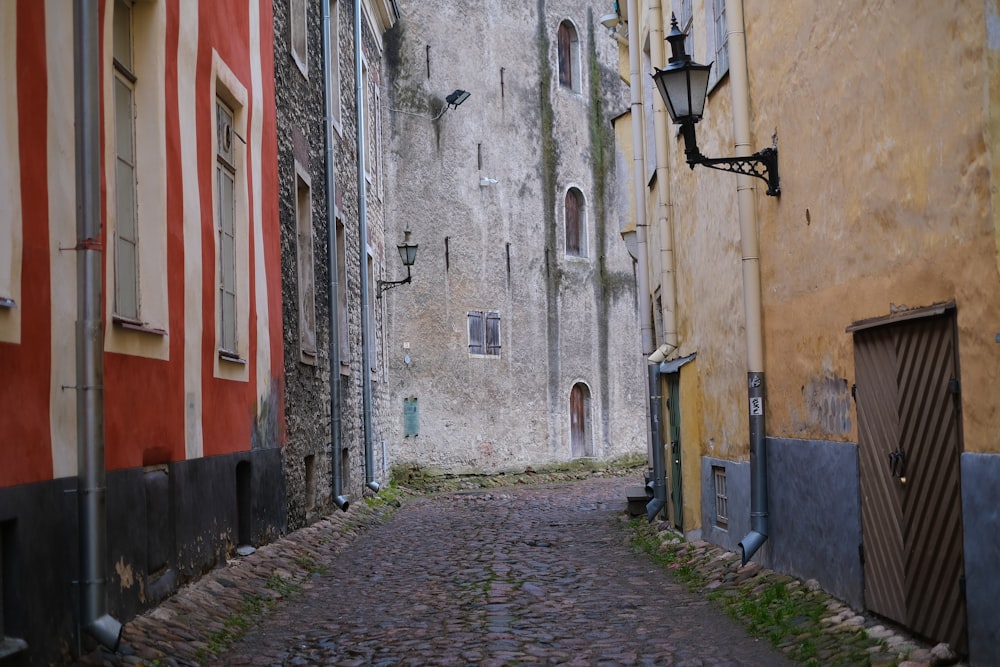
[(533, 575)]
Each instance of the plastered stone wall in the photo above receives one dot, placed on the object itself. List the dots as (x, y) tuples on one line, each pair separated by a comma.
[(482, 189), (301, 139)]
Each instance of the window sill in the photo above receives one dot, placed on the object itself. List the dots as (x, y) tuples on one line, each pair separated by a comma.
[(345, 369), (7, 302), (137, 326), (231, 357), (308, 358)]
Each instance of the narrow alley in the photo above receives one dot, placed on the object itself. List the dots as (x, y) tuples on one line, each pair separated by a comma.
[(500, 577)]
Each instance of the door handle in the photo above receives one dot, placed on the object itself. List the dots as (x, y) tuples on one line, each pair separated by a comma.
[(897, 465)]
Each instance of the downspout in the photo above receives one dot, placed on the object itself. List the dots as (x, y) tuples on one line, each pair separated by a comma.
[(750, 246), (91, 492), (336, 445), (664, 214), (668, 291), (642, 261), (366, 371)]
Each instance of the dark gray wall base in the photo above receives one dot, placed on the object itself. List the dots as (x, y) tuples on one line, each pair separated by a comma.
[(166, 526), (738, 494), (815, 514), (981, 529)]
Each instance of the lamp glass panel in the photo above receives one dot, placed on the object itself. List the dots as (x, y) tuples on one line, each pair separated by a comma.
[(408, 253), (699, 88)]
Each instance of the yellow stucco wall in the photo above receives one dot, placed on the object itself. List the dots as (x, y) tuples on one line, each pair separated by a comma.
[(884, 117), (886, 176)]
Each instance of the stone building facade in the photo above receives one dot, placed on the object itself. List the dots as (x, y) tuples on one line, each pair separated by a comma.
[(301, 86), (516, 343)]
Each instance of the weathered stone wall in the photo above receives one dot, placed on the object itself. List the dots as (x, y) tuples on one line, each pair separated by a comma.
[(301, 139), (482, 188), (300, 113)]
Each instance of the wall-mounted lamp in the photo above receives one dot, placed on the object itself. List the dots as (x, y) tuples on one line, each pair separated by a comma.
[(408, 253), (454, 98), (683, 85)]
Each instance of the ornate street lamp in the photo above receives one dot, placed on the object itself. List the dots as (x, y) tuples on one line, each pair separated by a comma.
[(683, 85), (408, 253)]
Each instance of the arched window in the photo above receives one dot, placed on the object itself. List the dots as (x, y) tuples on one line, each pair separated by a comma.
[(569, 57), (576, 227)]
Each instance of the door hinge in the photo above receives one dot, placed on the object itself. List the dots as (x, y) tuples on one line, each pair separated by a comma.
[(861, 553)]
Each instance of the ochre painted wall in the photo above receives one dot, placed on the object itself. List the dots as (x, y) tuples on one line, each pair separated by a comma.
[(885, 201)]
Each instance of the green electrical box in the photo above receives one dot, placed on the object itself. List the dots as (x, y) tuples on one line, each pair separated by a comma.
[(411, 417)]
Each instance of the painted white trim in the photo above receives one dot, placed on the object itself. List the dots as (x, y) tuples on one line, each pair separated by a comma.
[(226, 86), (61, 175), (11, 224), (254, 165), (149, 21), (187, 94)]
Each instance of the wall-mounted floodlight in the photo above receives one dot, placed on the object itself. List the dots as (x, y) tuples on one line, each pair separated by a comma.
[(455, 98)]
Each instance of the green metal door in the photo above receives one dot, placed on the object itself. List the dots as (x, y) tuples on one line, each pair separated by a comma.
[(674, 451)]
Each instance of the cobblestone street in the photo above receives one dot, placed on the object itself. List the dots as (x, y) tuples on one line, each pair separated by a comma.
[(500, 577)]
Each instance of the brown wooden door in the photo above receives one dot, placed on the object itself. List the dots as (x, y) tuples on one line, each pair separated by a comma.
[(578, 417), (909, 438)]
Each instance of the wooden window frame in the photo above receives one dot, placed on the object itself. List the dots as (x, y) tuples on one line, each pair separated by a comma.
[(305, 267), (298, 34), (484, 333)]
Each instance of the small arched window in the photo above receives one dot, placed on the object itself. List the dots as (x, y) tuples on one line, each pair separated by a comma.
[(569, 57), (576, 228)]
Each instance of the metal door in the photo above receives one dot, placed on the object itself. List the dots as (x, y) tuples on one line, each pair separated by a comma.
[(674, 438), (909, 428)]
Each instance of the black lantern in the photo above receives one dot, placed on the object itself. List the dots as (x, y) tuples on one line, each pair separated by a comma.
[(407, 253), (683, 85)]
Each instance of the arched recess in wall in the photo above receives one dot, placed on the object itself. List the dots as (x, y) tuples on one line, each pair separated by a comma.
[(580, 422), (575, 223), (568, 42)]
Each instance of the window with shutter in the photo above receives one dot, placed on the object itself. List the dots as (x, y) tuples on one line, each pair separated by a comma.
[(575, 220), (477, 333), (493, 334)]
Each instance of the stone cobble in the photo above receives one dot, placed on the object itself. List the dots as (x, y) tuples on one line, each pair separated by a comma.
[(531, 575), (537, 575), (489, 575)]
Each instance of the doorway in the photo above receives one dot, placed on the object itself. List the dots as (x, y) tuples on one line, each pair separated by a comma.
[(908, 401), (581, 442)]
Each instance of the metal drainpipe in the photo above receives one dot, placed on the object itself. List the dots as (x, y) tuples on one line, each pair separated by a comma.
[(750, 246), (366, 372), (668, 276), (642, 259), (94, 617), (331, 243)]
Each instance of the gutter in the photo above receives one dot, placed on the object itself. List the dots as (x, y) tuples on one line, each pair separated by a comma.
[(653, 444), (336, 445), (750, 246), (91, 497), (366, 369)]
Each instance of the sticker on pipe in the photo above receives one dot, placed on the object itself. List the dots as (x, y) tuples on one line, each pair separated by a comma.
[(756, 406)]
